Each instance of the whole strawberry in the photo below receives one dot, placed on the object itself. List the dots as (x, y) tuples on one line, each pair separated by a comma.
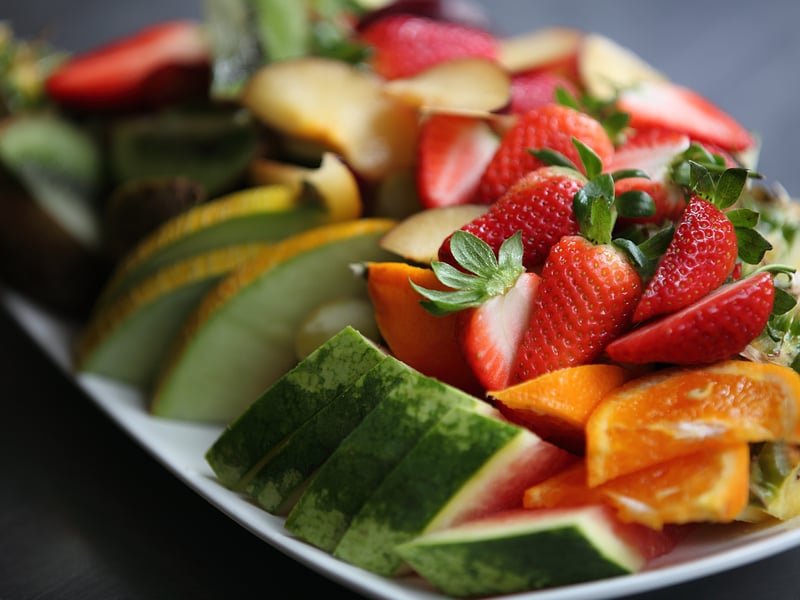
[(585, 300), (704, 248), (404, 44), (698, 260), (539, 206), (553, 127)]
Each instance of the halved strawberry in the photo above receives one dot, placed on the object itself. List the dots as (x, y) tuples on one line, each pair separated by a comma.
[(553, 127), (716, 327), (665, 105), (453, 150), (649, 150), (405, 44), (493, 295), (490, 334), (158, 65)]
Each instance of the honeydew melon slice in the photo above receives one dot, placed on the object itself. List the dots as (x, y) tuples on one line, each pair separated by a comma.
[(288, 403), (127, 339), (468, 465), (519, 550), (277, 484), (258, 214), (357, 467), (240, 340)]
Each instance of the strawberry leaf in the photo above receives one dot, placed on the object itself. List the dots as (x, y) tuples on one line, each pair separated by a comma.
[(482, 275), (743, 217), (592, 164), (553, 158), (752, 245), (729, 187), (635, 203)]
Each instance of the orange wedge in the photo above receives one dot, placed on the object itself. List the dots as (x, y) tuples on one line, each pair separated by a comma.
[(707, 486), (676, 412), (557, 405), (423, 341)]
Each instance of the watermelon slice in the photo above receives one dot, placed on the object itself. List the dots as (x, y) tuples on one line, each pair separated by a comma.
[(521, 550), (466, 466)]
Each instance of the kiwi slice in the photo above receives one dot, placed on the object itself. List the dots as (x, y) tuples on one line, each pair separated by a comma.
[(212, 146)]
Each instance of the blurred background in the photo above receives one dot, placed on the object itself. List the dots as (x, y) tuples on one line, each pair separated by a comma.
[(742, 55), (87, 514)]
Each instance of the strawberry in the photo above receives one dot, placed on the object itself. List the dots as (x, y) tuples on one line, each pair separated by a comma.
[(539, 205), (665, 105), (585, 300), (699, 259), (493, 295), (403, 44), (650, 150), (716, 327), (704, 248), (490, 334), (535, 88), (156, 66), (453, 151), (553, 127)]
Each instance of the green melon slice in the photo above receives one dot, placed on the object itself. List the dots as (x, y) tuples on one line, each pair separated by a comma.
[(288, 403), (129, 338), (519, 550), (469, 464), (352, 473), (259, 214), (241, 338), (277, 484)]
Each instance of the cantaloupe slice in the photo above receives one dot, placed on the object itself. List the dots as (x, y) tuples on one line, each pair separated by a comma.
[(240, 340)]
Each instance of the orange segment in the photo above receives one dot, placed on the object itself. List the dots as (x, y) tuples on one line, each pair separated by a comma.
[(557, 405), (415, 336), (707, 486), (676, 412)]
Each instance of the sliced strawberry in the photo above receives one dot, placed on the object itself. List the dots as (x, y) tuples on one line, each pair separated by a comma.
[(717, 327), (405, 44), (535, 88), (649, 150), (585, 300), (553, 127), (158, 65), (490, 334), (539, 205), (665, 105), (452, 153), (698, 260)]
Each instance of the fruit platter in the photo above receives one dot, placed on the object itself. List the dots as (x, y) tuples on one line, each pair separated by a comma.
[(431, 309)]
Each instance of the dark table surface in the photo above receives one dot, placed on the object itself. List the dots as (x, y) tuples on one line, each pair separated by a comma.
[(85, 513)]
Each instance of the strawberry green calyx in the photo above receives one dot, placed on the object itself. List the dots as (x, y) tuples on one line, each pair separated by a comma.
[(483, 275), (595, 205), (707, 176)]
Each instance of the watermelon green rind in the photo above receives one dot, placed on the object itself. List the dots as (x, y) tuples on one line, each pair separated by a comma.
[(523, 550), (288, 403), (248, 343), (357, 467), (421, 485), (304, 451)]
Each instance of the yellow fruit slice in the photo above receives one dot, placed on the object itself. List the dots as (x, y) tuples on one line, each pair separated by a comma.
[(128, 339), (332, 180), (680, 411), (241, 338)]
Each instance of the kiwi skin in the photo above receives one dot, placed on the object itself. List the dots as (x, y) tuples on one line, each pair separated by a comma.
[(41, 260)]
